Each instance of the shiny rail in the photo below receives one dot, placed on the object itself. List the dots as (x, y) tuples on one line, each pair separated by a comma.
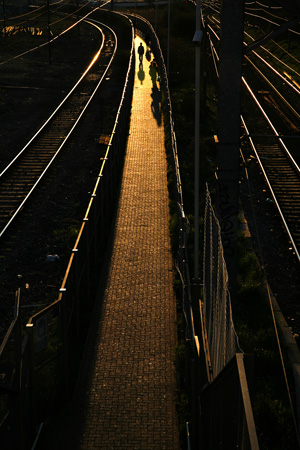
[(24, 173), (273, 146)]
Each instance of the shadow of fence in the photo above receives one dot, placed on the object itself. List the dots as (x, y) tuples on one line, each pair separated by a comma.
[(37, 364), (221, 410)]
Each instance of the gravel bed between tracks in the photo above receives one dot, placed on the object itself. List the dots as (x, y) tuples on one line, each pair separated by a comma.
[(58, 209), (270, 242), (30, 89)]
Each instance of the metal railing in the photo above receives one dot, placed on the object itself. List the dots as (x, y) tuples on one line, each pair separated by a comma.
[(204, 385), (40, 371), (225, 400), (10, 381), (182, 222), (221, 336), (52, 334)]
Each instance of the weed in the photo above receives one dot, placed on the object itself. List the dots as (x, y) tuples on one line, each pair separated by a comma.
[(253, 320)]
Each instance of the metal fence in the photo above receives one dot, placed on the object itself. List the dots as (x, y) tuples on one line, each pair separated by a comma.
[(36, 365), (182, 222), (218, 373), (41, 368), (10, 380), (227, 415), (221, 336)]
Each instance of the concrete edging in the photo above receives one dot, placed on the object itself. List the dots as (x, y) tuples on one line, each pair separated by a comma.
[(292, 348)]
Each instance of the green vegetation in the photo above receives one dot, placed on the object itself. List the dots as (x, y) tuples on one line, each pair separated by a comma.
[(254, 326), (253, 319), (67, 236)]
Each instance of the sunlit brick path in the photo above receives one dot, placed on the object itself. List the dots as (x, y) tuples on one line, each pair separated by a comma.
[(126, 395)]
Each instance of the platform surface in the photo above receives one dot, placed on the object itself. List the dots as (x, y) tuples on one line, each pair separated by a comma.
[(126, 395)]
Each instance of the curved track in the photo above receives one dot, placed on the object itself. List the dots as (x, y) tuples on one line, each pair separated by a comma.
[(22, 175), (48, 223)]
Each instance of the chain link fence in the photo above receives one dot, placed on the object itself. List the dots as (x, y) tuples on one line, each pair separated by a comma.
[(221, 336)]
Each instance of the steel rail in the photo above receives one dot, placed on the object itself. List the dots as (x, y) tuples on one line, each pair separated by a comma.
[(284, 79), (29, 13), (267, 6), (276, 58), (37, 13), (51, 40), (50, 120), (294, 22), (294, 245), (279, 139), (275, 72), (290, 158), (56, 110), (271, 190), (276, 134), (282, 98)]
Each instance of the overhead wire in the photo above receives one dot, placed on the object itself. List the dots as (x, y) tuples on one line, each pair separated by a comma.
[(286, 381), (49, 41), (283, 365)]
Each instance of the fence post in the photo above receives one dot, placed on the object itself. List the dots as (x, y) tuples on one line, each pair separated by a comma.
[(229, 127), (246, 401), (75, 293), (193, 397), (31, 377), (18, 350), (95, 229), (88, 256), (65, 344)]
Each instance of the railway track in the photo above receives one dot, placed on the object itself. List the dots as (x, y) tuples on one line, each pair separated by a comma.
[(283, 179), (272, 125), (20, 178), (269, 177), (41, 19), (48, 220)]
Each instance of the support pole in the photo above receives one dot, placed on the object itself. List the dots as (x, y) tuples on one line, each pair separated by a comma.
[(229, 128), (31, 379), (77, 18), (168, 42), (4, 20), (197, 41), (49, 31)]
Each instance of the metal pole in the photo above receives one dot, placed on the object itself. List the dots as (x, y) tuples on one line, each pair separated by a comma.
[(197, 142), (168, 45), (49, 32), (31, 384), (77, 18), (4, 20), (18, 365), (229, 128)]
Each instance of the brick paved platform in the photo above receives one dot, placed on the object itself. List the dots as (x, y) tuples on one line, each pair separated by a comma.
[(127, 391)]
